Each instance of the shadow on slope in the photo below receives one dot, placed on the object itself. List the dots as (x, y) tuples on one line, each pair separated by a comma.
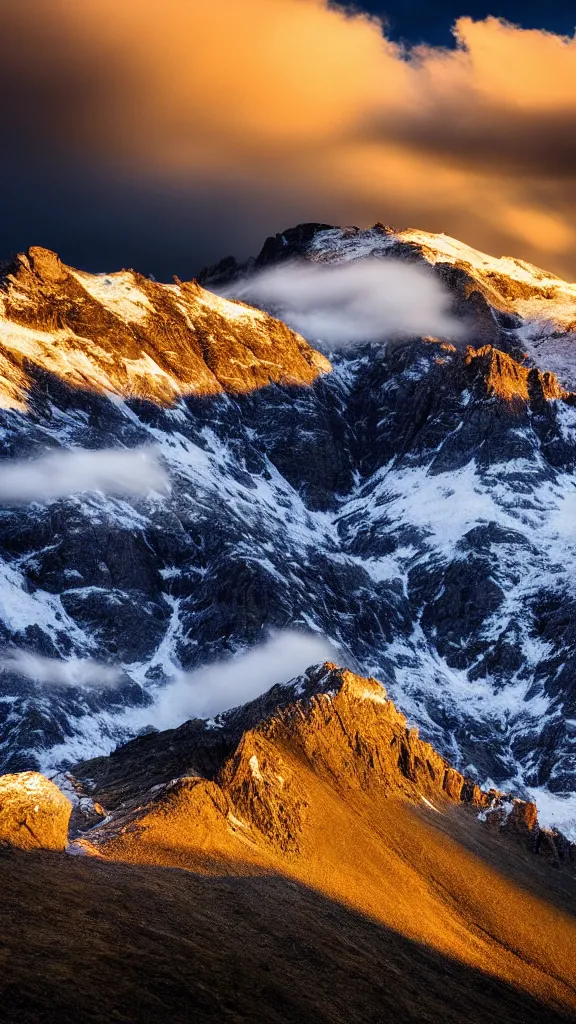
[(85, 940)]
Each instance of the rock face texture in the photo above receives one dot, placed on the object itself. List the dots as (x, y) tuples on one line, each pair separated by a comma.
[(415, 504), (247, 772), (34, 814), (126, 335)]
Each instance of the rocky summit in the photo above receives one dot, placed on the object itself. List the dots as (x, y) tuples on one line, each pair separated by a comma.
[(251, 776), (413, 503), (126, 335)]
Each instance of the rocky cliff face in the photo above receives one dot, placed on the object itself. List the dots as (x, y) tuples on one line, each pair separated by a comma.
[(413, 504), (246, 776)]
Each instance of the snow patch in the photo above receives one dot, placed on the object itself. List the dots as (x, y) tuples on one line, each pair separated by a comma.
[(117, 292), (556, 811)]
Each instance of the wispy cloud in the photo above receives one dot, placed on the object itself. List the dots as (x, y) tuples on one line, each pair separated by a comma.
[(202, 693), (81, 672), (364, 300), (129, 472), (225, 684)]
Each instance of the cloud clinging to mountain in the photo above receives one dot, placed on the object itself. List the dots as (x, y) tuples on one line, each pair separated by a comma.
[(118, 471), (225, 684), (364, 300)]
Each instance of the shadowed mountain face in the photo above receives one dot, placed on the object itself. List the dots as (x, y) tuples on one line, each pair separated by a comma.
[(415, 504)]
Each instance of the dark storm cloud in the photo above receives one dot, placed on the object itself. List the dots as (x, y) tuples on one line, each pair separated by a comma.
[(490, 138), (165, 134), (56, 92)]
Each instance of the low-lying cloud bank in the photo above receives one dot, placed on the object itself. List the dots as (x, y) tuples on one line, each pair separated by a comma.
[(214, 688), (364, 300), (82, 672), (126, 472)]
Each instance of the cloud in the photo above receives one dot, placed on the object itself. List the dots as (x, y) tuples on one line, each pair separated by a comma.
[(364, 300), (225, 684), (80, 672), (131, 472), (201, 693), (275, 111)]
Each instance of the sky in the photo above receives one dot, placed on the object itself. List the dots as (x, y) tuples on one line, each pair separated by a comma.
[(165, 134), (424, 21)]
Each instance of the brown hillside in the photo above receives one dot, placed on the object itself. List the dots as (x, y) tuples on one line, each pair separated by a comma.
[(86, 941), (334, 793)]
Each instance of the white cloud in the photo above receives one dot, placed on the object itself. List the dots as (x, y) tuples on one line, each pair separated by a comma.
[(74, 672), (365, 300), (201, 693), (129, 472), (225, 684)]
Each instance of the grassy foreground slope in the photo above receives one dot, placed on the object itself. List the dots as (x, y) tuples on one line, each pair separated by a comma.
[(84, 940), (330, 867)]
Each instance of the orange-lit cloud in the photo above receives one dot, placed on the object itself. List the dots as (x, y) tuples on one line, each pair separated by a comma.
[(311, 108)]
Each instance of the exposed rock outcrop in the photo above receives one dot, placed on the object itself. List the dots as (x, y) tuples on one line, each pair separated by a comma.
[(34, 814), (504, 377)]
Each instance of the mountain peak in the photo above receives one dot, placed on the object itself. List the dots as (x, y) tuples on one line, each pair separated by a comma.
[(45, 264), (252, 764), (124, 334)]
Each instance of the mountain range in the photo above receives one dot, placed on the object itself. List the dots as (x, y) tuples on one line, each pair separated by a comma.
[(287, 624), (413, 503)]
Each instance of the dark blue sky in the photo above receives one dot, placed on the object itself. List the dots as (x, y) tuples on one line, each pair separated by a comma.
[(418, 21)]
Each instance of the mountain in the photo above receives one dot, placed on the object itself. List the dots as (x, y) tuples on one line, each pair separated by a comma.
[(305, 857), (123, 334), (514, 304), (239, 778), (412, 503)]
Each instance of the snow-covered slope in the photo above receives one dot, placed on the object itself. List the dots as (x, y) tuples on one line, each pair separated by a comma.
[(544, 304), (415, 506)]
